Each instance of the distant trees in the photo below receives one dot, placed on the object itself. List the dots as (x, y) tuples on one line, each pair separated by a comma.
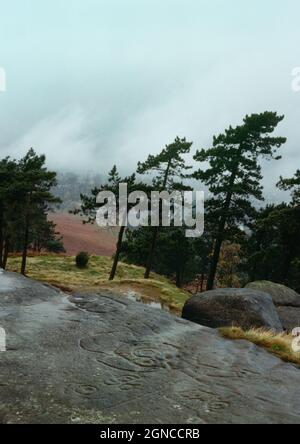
[(25, 199), (234, 174), (228, 268), (70, 185), (89, 206), (174, 255), (273, 248)]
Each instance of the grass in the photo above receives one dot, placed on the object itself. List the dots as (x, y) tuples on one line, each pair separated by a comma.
[(278, 344), (61, 271)]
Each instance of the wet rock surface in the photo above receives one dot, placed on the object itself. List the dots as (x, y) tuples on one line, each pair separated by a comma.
[(103, 359)]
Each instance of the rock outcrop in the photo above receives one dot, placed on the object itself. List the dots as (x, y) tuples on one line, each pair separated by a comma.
[(289, 317), (225, 307), (287, 302), (281, 295), (97, 358)]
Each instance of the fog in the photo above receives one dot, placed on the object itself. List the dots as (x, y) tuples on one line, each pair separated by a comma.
[(104, 82)]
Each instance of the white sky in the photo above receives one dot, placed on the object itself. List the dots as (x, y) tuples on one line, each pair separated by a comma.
[(96, 82)]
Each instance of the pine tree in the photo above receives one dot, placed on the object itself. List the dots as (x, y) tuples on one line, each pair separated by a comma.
[(293, 185), (234, 174), (35, 183), (167, 166), (10, 200)]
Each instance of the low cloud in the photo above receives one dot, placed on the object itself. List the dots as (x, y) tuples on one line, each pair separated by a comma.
[(64, 138)]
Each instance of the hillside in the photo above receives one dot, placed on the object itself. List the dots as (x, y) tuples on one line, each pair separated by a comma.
[(61, 271), (79, 237)]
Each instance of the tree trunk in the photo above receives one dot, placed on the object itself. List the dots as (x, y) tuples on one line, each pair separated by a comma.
[(220, 235), (215, 260), (156, 231), (151, 254), (25, 246), (1, 248), (253, 272), (1, 240), (178, 279), (202, 283), (5, 255), (286, 268), (117, 255)]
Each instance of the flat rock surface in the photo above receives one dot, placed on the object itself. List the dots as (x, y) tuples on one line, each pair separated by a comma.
[(103, 359)]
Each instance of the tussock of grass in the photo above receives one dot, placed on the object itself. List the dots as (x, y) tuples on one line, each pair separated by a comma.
[(278, 344), (61, 271)]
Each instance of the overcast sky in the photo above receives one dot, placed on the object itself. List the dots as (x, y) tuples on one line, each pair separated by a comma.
[(91, 83)]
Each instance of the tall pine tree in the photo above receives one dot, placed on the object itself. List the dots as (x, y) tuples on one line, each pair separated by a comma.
[(36, 183), (9, 196), (234, 174), (167, 166)]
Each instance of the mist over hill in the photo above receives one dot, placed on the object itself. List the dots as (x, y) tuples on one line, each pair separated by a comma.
[(71, 184)]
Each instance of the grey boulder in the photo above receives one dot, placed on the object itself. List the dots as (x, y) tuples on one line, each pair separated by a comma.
[(226, 307), (281, 295), (290, 317)]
